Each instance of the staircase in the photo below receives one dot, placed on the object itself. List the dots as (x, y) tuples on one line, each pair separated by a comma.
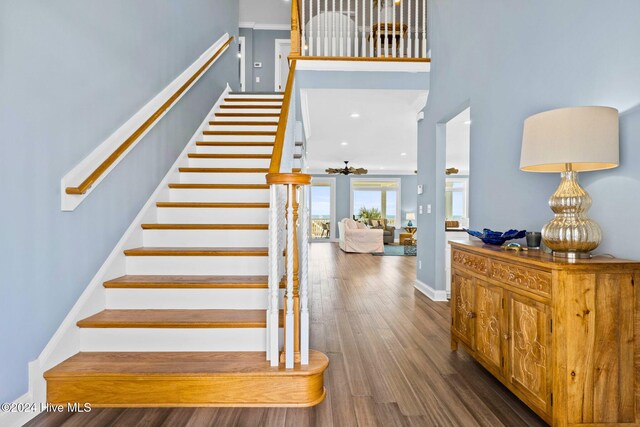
[(186, 325)]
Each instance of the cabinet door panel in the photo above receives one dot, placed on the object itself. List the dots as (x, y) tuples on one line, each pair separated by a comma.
[(530, 349), (463, 306), (489, 326)]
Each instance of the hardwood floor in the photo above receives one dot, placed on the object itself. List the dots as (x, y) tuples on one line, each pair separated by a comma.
[(390, 362)]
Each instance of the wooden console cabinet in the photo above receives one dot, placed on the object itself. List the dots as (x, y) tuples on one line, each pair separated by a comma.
[(563, 336)]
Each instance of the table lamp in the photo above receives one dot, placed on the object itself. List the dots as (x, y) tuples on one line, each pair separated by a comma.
[(568, 141), (410, 217)]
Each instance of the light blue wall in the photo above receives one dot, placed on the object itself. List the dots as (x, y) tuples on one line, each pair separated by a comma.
[(71, 72), (521, 58), (261, 47), (408, 195)]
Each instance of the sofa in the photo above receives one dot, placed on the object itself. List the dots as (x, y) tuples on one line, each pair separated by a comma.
[(357, 237), (388, 231)]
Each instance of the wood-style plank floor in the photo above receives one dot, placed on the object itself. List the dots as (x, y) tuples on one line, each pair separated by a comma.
[(390, 362)]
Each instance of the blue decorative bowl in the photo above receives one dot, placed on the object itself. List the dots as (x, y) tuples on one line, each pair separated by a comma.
[(491, 237)]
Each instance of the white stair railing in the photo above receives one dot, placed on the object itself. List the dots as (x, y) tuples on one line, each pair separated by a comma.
[(288, 251), (361, 28)]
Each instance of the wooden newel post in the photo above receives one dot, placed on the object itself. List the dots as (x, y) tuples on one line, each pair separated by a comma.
[(295, 29)]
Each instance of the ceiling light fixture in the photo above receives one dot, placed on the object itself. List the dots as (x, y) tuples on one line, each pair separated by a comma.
[(468, 122), (344, 143), (403, 154), (355, 115)]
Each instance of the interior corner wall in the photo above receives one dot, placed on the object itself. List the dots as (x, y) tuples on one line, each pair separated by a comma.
[(261, 47), (71, 72), (522, 58)]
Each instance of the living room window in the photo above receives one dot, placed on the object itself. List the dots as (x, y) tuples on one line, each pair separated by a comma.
[(456, 198), (374, 197)]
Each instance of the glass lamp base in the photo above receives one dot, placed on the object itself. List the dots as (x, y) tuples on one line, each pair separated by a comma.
[(572, 255)]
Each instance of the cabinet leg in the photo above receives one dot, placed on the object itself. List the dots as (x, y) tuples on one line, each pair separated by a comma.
[(454, 344)]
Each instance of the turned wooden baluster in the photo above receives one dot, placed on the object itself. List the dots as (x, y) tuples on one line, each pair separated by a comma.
[(295, 29)]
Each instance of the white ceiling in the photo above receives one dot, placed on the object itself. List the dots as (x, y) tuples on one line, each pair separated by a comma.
[(386, 128), (265, 12), (458, 138)]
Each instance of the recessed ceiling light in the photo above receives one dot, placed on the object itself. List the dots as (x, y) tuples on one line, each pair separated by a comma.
[(468, 122), (239, 55), (344, 143), (403, 154), (355, 115), (381, 167)]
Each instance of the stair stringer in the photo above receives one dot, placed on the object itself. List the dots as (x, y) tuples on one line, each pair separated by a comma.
[(66, 341)]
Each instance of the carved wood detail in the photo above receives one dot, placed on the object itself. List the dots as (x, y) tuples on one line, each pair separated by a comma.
[(489, 325), (476, 263), (463, 307), (534, 280)]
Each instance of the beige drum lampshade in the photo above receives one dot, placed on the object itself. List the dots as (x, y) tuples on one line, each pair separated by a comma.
[(585, 137)]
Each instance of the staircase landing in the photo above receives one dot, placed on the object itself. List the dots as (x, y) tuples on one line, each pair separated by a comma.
[(182, 379)]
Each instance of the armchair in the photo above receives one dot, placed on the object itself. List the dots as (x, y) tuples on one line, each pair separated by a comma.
[(356, 237)]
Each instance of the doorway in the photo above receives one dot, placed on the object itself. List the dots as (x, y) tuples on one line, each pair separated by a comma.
[(456, 192), (322, 209), (283, 48), (242, 63)]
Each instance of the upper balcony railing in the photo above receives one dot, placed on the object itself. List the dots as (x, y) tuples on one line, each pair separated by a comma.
[(393, 30)]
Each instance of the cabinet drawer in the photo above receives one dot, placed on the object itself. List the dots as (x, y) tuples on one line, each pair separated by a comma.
[(475, 263), (522, 277)]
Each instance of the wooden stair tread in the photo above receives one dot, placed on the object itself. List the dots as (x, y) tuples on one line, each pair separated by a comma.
[(180, 364), (205, 226), (209, 205), (220, 186), (186, 251), (228, 156), (247, 115), (223, 170), (188, 282), (240, 132), (245, 123), (234, 144), (220, 318)]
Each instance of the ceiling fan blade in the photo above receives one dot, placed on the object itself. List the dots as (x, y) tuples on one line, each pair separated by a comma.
[(331, 170), (361, 171)]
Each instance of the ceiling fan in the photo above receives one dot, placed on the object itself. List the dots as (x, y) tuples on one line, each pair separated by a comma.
[(452, 171), (347, 170)]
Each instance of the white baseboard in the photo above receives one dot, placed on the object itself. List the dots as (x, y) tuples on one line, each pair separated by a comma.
[(18, 419), (433, 294)]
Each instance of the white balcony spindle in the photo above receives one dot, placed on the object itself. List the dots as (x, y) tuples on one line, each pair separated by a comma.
[(348, 29), (342, 35), (379, 32), (334, 30), (326, 28), (386, 29), (304, 279), (424, 28), (318, 36), (416, 45), (304, 46), (273, 346), (288, 324), (371, 29), (310, 27), (355, 35), (401, 29), (409, 29), (393, 37)]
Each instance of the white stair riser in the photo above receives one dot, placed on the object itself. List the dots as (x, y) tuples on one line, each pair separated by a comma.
[(206, 238), (275, 103), (261, 128), (169, 339), (232, 149), (241, 95), (188, 299), (213, 215), (245, 118), (197, 265), (251, 110), (237, 138), (218, 195), (229, 163), (223, 178)]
